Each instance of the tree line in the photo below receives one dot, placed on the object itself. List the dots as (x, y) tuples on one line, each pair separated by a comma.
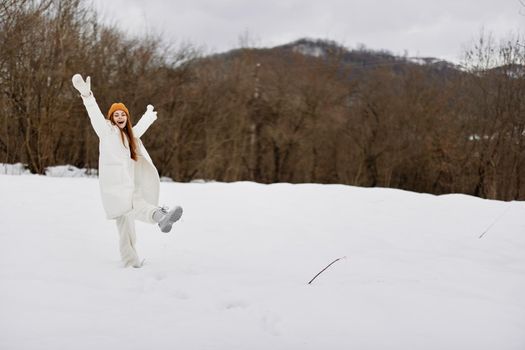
[(263, 115)]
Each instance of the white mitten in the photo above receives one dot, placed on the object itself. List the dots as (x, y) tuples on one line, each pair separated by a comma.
[(151, 113), (84, 87)]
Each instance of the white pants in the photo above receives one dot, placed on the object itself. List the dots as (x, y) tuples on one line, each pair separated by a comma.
[(142, 211)]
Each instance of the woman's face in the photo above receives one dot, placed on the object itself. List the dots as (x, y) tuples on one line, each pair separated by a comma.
[(120, 118)]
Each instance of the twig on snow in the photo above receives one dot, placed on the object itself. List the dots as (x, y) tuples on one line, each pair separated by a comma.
[(320, 272), (497, 219)]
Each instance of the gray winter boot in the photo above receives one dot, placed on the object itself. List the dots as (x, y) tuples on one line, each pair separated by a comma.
[(166, 218)]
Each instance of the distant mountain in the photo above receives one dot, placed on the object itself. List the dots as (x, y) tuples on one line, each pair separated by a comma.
[(365, 58), (361, 59), (324, 48)]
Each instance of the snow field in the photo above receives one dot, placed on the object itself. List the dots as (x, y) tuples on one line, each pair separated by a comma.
[(233, 272)]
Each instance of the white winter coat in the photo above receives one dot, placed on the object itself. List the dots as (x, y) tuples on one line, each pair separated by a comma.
[(119, 175)]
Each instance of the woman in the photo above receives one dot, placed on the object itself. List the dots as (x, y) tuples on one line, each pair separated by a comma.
[(129, 182)]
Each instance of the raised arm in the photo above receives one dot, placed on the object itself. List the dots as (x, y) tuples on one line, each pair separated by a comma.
[(95, 115), (144, 123)]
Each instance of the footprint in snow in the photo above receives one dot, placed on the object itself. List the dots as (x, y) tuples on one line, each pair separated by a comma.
[(179, 294), (270, 323), (235, 304)]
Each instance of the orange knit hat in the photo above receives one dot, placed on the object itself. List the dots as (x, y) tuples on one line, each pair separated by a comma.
[(115, 107)]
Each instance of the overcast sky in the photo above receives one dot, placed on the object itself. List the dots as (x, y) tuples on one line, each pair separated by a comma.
[(439, 28)]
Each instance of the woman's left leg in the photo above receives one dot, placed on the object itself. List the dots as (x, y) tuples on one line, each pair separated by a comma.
[(127, 240)]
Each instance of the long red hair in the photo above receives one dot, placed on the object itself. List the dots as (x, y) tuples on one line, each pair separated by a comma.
[(127, 131)]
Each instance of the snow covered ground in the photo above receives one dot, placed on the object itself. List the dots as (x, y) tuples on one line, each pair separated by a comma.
[(233, 273)]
